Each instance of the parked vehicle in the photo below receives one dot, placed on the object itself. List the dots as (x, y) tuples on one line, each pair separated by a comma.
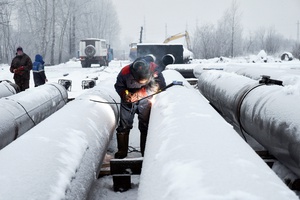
[(94, 51)]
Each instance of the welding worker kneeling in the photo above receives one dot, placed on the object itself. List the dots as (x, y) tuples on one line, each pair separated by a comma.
[(135, 82)]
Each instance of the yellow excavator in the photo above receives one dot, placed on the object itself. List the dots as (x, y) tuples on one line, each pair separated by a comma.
[(187, 52), (180, 35)]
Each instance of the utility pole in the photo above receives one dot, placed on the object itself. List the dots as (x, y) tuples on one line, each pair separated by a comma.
[(166, 31), (141, 35), (145, 28), (298, 31)]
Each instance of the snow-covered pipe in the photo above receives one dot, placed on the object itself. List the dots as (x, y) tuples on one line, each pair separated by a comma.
[(186, 70), (269, 113), (289, 73), (192, 153), (59, 158), (7, 88), (22, 111)]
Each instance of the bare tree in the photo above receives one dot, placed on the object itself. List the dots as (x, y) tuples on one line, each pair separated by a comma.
[(273, 41), (53, 33), (232, 22), (249, 43), (204, 38), (65, 8), (5, 20), (260, 36), (296, 50), (44, 41), (101, 21)]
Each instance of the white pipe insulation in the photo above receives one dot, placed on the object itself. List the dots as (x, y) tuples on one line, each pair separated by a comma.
[(60, 157), (22, 111), (289, 73), (268, 113), (192, 153), (7, 88)]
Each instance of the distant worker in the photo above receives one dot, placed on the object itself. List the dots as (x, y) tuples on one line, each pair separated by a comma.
[(38, 70), (135, 82), (21, 66)]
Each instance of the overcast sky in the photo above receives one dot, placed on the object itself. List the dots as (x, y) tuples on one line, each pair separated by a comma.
[(162, 18)]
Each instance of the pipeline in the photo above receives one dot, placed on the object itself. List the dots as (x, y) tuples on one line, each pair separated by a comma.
[(186, 70), (202, 157), (22, 111), (267, 112), (60, 157), (8, 88), (288, 73)]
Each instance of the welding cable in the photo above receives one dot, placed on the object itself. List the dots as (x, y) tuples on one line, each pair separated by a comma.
[(239, 106), (265, 80), (62, 96), (23, 109), (116, 106), (132, 149), (9, 89), (117, 103), (7, 86), (146, 97)]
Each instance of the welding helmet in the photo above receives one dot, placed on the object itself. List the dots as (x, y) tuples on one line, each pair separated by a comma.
[(140, 69)]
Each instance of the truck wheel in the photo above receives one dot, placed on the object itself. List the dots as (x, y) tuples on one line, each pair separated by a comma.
[(102, 63), (83, 64), (90, 50)]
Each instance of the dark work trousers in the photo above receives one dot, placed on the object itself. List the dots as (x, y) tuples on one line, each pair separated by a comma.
[(127, 111), (22, 83)]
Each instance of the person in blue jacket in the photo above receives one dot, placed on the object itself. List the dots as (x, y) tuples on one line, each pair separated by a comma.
[(134, 83), (38, 70)]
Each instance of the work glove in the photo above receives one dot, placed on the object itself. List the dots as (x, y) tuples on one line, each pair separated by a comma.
[(19, 70), (133, 97)]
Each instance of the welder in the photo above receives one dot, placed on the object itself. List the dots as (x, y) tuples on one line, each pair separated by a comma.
[(135, 82)]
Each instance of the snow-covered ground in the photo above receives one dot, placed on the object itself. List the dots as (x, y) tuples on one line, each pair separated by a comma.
[(103, 187)]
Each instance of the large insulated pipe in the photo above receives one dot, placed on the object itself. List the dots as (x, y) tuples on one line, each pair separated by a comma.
[(22, 111), (8, 88), (186, 70), (60, 157), (288, 73), (192, 153), (268, 113)]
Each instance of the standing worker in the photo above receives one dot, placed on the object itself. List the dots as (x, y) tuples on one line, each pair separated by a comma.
[(21, 66), (136, 81), (38, 70)]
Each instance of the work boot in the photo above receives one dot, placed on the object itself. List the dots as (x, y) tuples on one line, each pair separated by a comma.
[(122, 139), (143, 139)]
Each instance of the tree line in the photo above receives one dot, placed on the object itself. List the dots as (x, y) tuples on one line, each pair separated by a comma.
[(226, 38), (53, 28)]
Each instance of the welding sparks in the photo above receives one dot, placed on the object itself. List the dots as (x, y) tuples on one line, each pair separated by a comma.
[(152, 100)]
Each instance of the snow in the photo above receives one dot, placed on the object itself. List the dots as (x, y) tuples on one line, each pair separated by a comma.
[(191, 153), (61, 155), (265, 113), (28, 108), (197, 172), (6, 89)]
